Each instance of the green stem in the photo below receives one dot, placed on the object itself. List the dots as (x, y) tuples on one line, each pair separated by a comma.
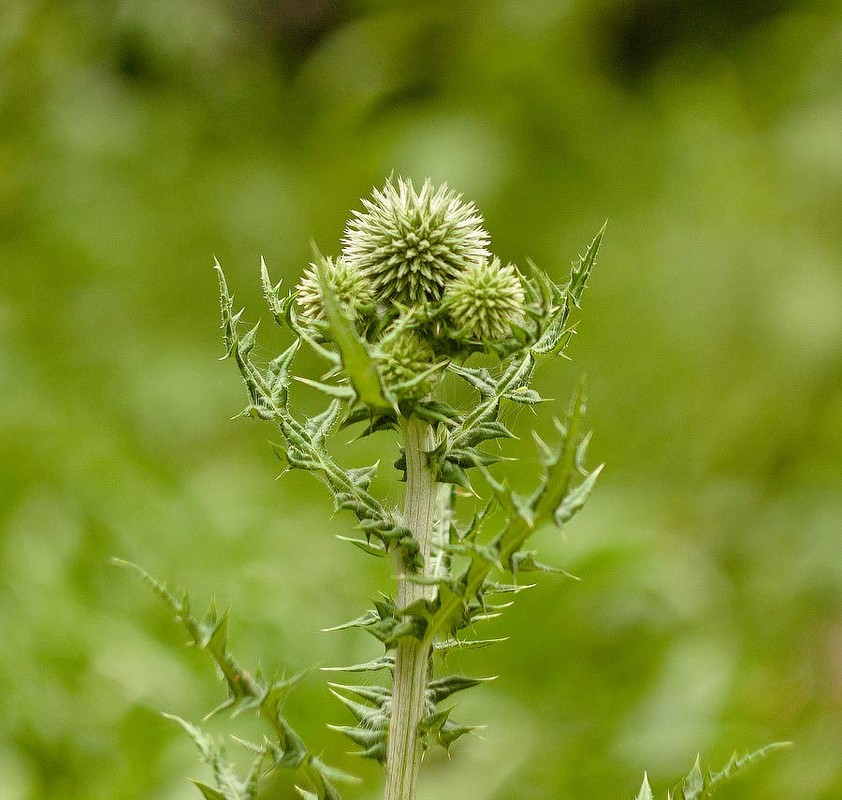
[(403, 758)]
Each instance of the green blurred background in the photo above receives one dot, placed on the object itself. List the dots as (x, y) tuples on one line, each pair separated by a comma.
[(138, 139)]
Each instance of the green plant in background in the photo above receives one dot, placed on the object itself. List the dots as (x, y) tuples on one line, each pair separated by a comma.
[(415, 303)]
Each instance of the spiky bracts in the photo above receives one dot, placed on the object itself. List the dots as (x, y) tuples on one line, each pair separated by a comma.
[(350, 287), (410, 243), (485, 300)]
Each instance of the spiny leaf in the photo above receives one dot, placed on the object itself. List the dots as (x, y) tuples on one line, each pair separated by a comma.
[(525, 396), (697, 785), (582, 268), (377, 419), (559, 474), (376, 751), (371, 740), (319, 427), (451, 731), (361, 476), (486, 431), (493, 587), (226, 302), (363, 621), (447, 645), (460, 603), (363, 712), (480, 379), (525, 561), (491, 392), (694, 783), (372, 548), (279, 689), (450, 472), (246, 692), (334, 774), (386, 661), (320, 778), (737, 764), (208, 792), (546, 453), (556, 301), (438, 728), (436, 411), (375, 695), (207, 747), (228, 785), (441, 688), (272, 294), (575, 500), (645, 792), (387, 624), (356, 359), (336, 391), (430, 726), (303, 447)]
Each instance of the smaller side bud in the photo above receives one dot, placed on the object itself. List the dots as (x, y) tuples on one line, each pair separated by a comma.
[(351, 288), (484, 301), (403, 359)]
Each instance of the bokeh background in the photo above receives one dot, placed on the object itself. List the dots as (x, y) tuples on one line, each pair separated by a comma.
[(139, 139)]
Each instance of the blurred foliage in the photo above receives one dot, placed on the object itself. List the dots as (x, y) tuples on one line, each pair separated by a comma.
[(138, 139)]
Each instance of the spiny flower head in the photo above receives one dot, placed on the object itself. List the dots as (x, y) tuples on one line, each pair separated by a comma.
[(411, 244), (402, 356), (485, 300), (351, 288)]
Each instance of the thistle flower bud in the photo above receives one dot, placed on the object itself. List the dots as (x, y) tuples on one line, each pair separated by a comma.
[(350, 287), (411, 244), (403, 357), (485, 300)]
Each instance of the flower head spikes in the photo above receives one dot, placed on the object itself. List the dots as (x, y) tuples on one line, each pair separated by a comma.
[(485, 300), (350, 287), (411, 244)]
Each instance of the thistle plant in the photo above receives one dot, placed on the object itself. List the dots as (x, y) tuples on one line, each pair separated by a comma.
[(414, 302)]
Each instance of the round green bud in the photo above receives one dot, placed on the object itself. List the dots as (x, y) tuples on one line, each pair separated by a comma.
[(402, 356), (412, 244), (349, 285), (484, 301)]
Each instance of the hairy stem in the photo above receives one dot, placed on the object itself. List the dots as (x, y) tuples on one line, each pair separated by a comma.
[(403, 759)]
